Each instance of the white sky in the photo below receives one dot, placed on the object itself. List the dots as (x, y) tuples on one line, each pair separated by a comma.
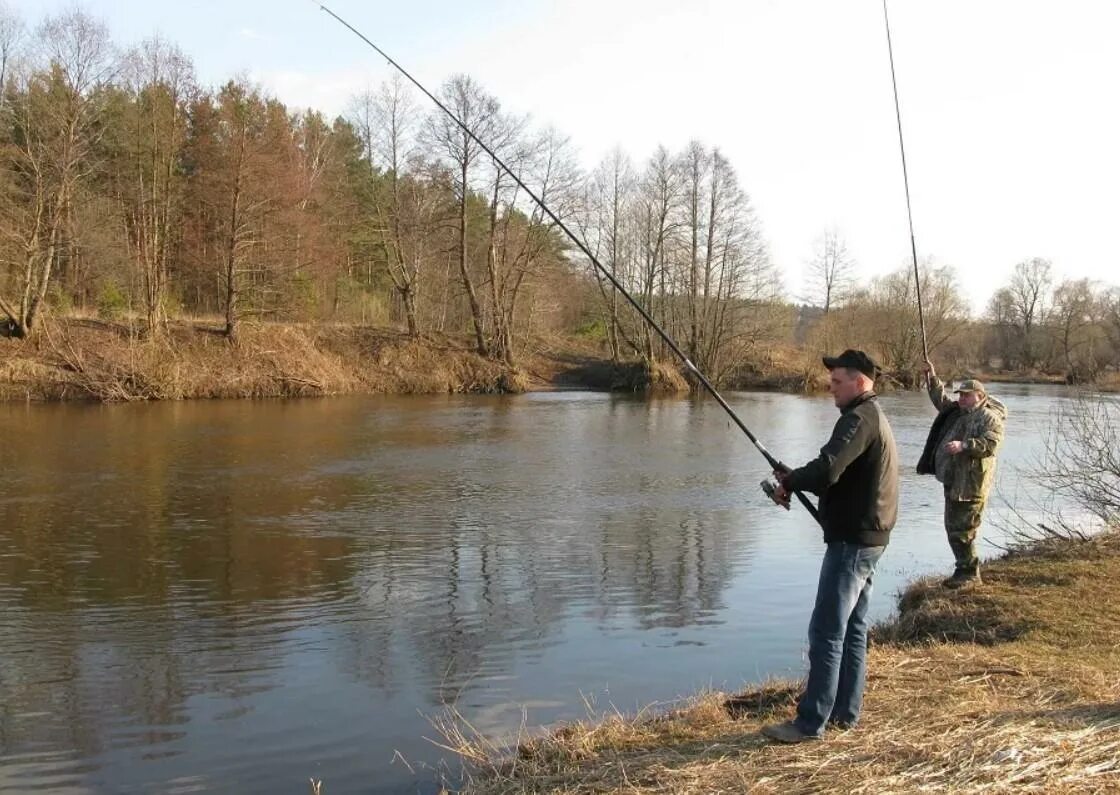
[(1010, 107)]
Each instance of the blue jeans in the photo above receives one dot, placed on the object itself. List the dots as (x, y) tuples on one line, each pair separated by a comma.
[(838, 638)]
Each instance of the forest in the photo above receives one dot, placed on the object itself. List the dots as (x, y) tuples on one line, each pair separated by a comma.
[(130, 193)]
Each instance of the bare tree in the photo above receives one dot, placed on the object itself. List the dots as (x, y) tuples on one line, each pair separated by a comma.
[(830, 274), (1082, 458), (739, 286), (54, 119), (11, 36), (246, 184), (685, 240), (508, 143), (721, 272), (1110, 319), (1002, 317), (11, 39), (159, 80), (657, 207), (890, 314), (609, 231), (1078, 326), (696, 171), (363, 113), (1029, 290), (313, 156), (407, 211), (526, 240), (478, 112)]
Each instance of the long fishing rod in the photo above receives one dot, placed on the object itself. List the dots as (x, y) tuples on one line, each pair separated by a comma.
[(906, 184), (770, 459)]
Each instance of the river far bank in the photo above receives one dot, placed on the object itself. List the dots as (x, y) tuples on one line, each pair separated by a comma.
[(86, 359), (1012, 686), (92, 359)]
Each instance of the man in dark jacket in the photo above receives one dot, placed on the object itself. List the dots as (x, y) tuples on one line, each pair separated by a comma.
[(856, 476)]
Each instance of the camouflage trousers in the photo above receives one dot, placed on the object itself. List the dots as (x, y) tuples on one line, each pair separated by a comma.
[(962, 524)]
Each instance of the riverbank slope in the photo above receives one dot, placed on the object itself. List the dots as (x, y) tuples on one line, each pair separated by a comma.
[(102, 360), (93, 359), (1012, 686)]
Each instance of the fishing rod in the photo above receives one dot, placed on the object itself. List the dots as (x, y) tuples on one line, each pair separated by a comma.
[(906, 184), (770, 459)]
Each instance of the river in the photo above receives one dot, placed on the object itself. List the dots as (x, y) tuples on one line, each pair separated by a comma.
[(238, 596)]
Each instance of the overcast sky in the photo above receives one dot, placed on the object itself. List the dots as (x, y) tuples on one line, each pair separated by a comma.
[(1009, 107)]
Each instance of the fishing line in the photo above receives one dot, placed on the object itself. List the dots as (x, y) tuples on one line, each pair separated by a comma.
[(906, 184), (770, 459)]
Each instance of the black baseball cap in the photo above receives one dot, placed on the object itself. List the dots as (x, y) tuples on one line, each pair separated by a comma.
[(857, 360)]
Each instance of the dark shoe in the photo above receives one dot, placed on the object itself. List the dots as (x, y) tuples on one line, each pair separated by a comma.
[(963, 577), (787, 733), (841, 725)]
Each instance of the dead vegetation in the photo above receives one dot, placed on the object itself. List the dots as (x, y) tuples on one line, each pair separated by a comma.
[(83, 359), (1011, 687), (93, 359), (780, 367)]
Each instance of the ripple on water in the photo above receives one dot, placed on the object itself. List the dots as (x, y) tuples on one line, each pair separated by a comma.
[(245, 595)]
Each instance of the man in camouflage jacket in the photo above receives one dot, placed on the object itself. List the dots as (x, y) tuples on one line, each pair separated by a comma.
[(961, 453)]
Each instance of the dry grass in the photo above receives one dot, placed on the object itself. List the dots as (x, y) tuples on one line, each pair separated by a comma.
[(89, 359), (1014, 686), (1109, 381), (85, 358), (1105, 381), (781, 367)]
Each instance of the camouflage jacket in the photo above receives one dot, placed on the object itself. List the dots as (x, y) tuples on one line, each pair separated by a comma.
[(967, 476)]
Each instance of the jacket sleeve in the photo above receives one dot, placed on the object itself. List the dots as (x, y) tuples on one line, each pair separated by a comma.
[(938, 396), (850, 437), (984, 443)]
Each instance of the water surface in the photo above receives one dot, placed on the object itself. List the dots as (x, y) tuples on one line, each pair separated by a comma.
[(236, 596)]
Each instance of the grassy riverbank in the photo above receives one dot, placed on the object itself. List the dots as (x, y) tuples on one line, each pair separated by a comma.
[(98, 360), (94, 359), (91, 359), (1014, 686)]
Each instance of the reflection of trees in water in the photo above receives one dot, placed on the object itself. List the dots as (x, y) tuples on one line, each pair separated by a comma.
[(455, 605), (502, 549), (468, 603), (671, 576), (155, 555)]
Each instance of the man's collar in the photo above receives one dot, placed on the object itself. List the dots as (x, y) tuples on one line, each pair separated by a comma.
[(863, 397)]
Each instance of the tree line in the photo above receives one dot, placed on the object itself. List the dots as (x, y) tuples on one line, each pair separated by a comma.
[(1033, 322), (128, 186), (128, 189)]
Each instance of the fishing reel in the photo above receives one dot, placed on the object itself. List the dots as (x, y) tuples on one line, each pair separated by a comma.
[(770, 489)]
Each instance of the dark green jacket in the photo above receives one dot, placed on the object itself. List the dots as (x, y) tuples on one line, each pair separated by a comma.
[(856, 476)]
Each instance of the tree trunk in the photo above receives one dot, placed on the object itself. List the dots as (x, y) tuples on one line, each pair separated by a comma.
[(464, 273), (408, 298), (231, 291)]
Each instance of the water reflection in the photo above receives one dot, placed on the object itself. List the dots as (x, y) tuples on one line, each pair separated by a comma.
[(237, 595)]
